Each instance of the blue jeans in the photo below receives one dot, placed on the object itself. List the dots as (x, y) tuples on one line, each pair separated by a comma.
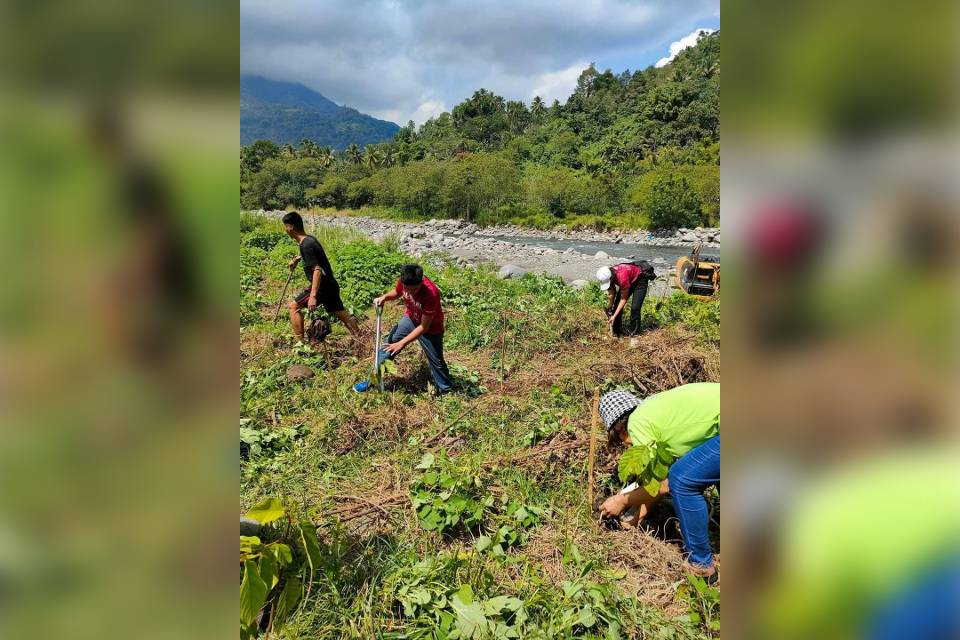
[(432, 347), (689, 477)]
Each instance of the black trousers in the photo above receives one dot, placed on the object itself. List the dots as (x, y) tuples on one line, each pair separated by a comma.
[(636, 294)]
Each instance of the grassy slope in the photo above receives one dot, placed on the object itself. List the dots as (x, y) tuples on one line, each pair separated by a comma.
[(348, 461)]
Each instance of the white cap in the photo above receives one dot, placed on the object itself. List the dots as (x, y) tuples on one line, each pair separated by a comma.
[(603, 275)]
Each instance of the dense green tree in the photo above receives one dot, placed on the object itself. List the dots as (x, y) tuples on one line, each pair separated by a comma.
[(669, 202)]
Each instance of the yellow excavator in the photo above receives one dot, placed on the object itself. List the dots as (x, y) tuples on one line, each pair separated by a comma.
[(699, 275)]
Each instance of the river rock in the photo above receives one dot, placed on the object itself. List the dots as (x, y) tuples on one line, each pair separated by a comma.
[(508, 271), (579, 284), (601, 255), (299, 372), (689, 237)]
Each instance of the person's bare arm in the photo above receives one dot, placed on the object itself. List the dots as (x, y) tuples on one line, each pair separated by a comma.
[(624, 294), (389, 295)]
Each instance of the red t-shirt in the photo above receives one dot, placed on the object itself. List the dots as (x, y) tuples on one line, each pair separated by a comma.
[(626, 274), (427, 300)]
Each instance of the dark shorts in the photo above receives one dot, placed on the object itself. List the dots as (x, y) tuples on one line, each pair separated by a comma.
[(328, 297)]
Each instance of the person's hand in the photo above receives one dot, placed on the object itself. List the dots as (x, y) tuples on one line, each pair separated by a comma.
[(293, 263), (378, 301), (393, 348), (312, 303), (611, 320), (614, 505)]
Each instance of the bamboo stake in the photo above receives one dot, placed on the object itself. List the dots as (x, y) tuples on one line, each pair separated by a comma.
[(593, 444)]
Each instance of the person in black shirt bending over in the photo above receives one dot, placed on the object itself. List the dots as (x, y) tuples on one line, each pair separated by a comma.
[(323, 287)]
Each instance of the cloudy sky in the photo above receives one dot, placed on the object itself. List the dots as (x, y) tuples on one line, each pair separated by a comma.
[(413, 59)]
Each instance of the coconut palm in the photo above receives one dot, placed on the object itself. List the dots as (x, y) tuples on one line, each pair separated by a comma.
[(372, 156), (288, 151), (353, 154), (325, 155), (308, 148)]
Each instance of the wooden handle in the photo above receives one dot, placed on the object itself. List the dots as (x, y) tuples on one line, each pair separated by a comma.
[(593, 444)]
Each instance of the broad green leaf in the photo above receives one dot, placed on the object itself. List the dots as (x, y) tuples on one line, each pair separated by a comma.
[(282, 553), (587, 619), (268, 570), (494, 606), (471, 622), (289, 597), (652, 487), (483, 543), (267, 511), (253, 593), (426, 462), (311, 545), (247, 543), (633, 462)]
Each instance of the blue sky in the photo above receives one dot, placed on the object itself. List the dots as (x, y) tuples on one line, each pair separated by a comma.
[(402, 60)]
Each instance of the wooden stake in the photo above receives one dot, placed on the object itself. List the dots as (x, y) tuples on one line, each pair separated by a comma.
[(593, 444)]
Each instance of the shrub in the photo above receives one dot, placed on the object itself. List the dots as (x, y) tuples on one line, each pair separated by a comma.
[(364, 271), (669, 202), (262, 238)]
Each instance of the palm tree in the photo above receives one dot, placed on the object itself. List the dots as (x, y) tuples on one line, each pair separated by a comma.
[(309, 148), (388, 157), (353, 154), (537, 109), (287, 151), (325, 155), (372, 156)]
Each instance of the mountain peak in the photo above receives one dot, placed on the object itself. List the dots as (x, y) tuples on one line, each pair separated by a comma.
[(287, 112)]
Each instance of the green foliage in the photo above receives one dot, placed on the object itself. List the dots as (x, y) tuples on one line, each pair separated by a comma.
[(703, 605), (275, 566), (646, 464), (493, 160), (447, 501), (365, 270), (700, 316), (670, 202)]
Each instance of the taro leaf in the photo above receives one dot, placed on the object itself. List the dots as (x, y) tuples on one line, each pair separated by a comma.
[(253, 593), (267, 511), (426, 462), (633, 462)]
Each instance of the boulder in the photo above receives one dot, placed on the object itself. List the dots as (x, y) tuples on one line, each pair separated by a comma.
[(299, 372), (508, 271), (601, 255), (689, 237), (579, 284)]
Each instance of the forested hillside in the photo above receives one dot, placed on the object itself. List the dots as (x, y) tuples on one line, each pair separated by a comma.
[(287, 113), (635, 149)]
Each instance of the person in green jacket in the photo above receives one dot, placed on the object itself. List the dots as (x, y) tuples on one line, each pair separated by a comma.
[(685, 421)]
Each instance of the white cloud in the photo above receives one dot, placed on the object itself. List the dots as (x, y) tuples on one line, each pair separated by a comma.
[(427, 110), (557, 84), (681, 44), (402, 60)]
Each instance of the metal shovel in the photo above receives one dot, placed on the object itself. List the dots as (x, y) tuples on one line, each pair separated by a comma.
[(377, 372)]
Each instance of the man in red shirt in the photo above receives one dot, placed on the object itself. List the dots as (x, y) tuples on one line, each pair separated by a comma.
[(423, 322), (622, 281)]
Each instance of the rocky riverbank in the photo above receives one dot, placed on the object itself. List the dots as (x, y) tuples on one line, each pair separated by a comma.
[(468, 244)]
